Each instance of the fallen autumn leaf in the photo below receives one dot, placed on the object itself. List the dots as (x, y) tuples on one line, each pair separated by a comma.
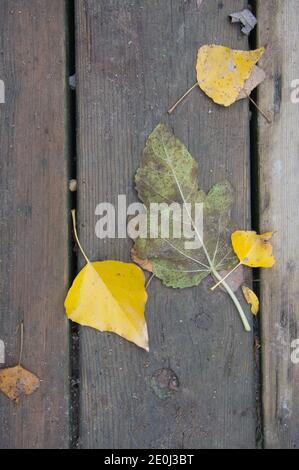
[(251, 299), (222, 72), (109, 296), (17, 381), (253, 250), (169, 173)]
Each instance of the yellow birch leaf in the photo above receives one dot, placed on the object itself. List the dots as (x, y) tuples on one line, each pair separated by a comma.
[(17, 381), (251, 299), (253, 250), (222, 72), (110, 296)]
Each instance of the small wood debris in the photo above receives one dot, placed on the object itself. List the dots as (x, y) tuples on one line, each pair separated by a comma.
[(72, 82), (73, 186)]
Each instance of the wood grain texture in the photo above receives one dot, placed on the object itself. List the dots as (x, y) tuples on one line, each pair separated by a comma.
[(134, 59), (279, 196), (33, 218)]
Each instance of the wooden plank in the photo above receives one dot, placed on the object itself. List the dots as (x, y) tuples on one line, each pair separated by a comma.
[(33, 217), (134, 59), (279, 195)]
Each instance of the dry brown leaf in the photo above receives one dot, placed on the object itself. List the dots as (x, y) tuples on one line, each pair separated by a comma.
[(17, 381), (145, 264), (256, 78), (246, 18)]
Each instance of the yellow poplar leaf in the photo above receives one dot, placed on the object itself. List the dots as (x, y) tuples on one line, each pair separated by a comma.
[(253, 250), (222, 72), (251, 299), (110, 296), (17, 381)]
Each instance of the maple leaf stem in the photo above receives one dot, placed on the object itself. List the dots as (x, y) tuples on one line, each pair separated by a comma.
[(225, 277), (76, 236), (182, 98), (235, 300)]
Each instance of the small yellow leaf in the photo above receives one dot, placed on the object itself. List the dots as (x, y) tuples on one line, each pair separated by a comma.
[(251, 299), (253, 250), (110, 296), (222, 72), (17, 381)]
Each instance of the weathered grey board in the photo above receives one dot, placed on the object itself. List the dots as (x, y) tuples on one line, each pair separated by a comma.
[(33, 217), (279, 196), (134, 59)]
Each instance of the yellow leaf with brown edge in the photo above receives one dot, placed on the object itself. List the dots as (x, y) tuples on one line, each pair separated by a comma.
[(251, 299), (253, 250), (17, 381), (222, 72), (110, 296)]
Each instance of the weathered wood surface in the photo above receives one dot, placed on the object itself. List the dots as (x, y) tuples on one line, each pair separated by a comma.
[(279, 196), (33, 217), (134, 59)]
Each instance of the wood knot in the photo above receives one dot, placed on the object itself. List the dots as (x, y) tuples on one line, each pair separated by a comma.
[(164, 383)]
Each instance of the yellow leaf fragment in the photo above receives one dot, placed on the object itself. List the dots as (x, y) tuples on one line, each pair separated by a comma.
[(251, 299), (110, 296), (253, 250), (17, 381), (222, 72)]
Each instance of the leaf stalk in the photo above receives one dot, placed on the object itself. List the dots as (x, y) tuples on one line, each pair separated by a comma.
[(182, 98), (76, 236), (235, 301), (225, 277)]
